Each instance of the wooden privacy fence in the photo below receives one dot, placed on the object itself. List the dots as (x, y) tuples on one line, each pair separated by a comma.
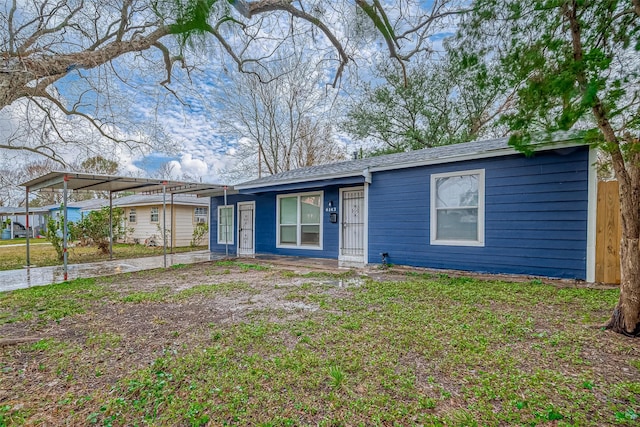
[(608, 233)]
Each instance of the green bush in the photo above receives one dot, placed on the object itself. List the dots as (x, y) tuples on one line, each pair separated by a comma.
[(199, 232), (94, 227), (54, 233)]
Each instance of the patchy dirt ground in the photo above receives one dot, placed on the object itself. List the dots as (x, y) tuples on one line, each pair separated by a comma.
[(123, 337), (150, 314)]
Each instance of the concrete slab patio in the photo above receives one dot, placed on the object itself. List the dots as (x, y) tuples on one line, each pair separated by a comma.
[(38, 276)]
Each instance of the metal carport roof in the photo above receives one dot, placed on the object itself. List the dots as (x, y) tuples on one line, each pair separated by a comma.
[(65, 180), (114, 184)]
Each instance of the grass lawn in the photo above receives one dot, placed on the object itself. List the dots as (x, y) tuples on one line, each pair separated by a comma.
[(14, 257), (20, 241), (232, 343)]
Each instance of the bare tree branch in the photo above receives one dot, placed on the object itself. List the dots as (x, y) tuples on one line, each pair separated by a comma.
[(48, 40)]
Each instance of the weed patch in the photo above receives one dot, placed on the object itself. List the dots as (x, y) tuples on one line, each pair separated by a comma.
[(242, 265), (427, 350), (52, 302), (159, 295), (226, 288)]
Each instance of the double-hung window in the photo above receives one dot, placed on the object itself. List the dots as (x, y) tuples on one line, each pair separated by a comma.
[(132, 215), (300, 220), (155, 216), (200, 215), (225, 225), (457, 208)]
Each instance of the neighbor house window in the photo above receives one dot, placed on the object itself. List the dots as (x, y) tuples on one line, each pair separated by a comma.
[(300, 220), (200, 215), (154, 215), (225, 224), (132, 215), (457, 208)]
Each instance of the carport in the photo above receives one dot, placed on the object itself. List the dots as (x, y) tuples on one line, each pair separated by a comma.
[(65, 181), (15, 214)]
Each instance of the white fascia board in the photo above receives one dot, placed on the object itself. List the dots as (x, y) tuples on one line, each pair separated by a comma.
[(475, 156), (299, 180)]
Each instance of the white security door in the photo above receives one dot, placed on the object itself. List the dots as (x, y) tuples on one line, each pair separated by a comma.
[(353, 226), (246, 223)]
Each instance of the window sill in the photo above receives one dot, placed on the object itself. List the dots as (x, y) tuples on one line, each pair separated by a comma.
[(470, 243), (312, 248)]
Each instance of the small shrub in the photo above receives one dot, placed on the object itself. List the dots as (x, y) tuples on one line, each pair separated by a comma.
[(199, 232), (94, 227), (54, 234)]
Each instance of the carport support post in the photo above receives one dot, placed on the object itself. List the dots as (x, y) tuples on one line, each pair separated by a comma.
[(110, 225), (164, 221), (226, 226), (173, 223), (26, 204), (64, 228)]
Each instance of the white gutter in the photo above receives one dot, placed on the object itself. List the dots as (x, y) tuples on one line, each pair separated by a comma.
[(298, 180), (592, 216)]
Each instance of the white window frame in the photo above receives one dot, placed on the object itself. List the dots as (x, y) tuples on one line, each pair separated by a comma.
[(481, 209), (298, 224), (157, 209), (220, 241), (133, 212), (200, 218)]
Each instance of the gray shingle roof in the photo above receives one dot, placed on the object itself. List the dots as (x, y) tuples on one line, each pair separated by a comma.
[(90, 204), (440, 154)]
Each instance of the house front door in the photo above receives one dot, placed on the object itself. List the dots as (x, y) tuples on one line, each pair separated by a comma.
[(246, 226), (352, 227)]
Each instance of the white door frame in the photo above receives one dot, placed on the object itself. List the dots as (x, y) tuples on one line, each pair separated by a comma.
[(354, 261), (253, 227)]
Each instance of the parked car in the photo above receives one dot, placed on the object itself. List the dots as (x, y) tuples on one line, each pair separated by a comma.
[(20, 231)]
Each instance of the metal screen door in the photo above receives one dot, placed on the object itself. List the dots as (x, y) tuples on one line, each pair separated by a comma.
[(245, 229), (353, 227)]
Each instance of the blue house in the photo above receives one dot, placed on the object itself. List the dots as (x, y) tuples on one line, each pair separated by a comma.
[(76, 210), (479, 206)]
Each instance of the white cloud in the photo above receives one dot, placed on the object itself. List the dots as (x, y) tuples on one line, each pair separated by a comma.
[(199, 148)]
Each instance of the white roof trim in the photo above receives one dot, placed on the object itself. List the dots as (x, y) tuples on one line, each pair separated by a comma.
[(298, 180), (451, 159)]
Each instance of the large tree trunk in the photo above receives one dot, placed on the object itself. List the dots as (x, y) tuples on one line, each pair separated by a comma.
[(626, 315)]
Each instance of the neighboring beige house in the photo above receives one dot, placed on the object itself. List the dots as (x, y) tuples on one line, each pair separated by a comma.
[(144, 220)]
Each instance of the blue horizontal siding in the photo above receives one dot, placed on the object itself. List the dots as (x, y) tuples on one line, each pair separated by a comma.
[(546, 225), (551, 206), (265, 229), (535, 216), (213, 222), (506, 188), (546, 197)]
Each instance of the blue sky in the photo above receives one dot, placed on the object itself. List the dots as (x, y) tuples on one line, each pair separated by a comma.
[(198, 147)]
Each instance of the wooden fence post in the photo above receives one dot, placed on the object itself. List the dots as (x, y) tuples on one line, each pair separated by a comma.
[(608, 233)]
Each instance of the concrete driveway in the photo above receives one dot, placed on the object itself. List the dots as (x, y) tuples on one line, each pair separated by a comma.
[(38, 276)]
